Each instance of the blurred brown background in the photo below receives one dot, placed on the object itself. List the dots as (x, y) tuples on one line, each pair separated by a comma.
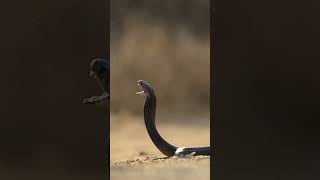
[(166, 43), (45, 130)]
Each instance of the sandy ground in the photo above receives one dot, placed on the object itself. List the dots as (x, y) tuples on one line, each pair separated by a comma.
[(133, 155)]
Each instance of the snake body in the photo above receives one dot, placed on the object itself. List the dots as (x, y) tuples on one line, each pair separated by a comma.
[(149, 119)]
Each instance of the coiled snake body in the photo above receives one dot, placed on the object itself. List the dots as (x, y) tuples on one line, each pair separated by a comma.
[(149, 119)]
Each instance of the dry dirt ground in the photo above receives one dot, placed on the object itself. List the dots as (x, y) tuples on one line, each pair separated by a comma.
[(134, 157)]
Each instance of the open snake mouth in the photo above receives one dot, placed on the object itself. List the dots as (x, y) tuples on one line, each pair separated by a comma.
[(142, 92)]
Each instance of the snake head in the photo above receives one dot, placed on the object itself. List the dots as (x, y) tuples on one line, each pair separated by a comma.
[(146, 88)]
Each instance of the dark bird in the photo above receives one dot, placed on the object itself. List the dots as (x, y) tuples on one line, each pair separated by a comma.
[(149, 120), (100, 70)]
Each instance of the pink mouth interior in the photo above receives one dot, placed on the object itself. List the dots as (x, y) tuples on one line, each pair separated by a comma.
[(140, 92)]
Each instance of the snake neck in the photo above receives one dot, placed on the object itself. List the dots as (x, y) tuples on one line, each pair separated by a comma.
[(149, 119)]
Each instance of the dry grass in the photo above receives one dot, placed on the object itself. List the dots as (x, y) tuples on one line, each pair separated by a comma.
[(187, 169)]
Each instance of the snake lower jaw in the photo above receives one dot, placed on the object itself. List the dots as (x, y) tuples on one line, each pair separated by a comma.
[(141, 93)]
